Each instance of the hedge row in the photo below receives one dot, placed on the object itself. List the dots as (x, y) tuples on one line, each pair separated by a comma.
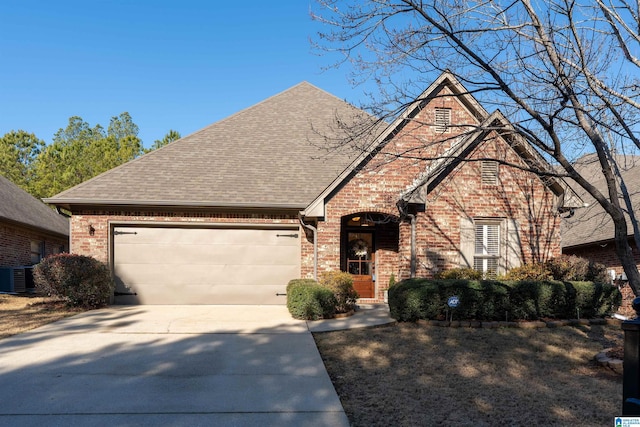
[(415, 299)]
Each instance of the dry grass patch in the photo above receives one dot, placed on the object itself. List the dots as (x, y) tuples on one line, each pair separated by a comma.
[(20, 313), (408, 375)]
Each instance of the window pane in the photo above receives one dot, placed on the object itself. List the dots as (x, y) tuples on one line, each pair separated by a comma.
[(365, 268), (493, 239), (37, 251), (488, 266), (354, 267), (487, 248), (487, 239), (480, 233), (360, 246)]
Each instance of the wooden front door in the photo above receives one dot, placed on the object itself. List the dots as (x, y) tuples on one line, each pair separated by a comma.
[(361, 262)]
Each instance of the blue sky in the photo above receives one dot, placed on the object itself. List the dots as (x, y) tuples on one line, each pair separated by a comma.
[(171, 64)]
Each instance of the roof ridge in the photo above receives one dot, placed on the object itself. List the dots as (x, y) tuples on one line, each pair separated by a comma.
[(264, 101)]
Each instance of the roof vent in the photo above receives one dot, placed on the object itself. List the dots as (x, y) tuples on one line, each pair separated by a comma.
[(489, 172), (443, 120)]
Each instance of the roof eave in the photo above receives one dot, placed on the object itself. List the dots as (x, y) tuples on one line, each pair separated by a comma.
[(68, 203), (569, 198), (43, 230), (600, 243)]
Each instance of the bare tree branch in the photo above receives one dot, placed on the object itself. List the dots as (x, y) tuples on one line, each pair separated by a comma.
[(564, 73)]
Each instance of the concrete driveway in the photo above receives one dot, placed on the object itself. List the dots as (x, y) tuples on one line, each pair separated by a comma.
[(168, 365)]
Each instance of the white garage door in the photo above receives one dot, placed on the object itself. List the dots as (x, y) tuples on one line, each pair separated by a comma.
[(156, 265)]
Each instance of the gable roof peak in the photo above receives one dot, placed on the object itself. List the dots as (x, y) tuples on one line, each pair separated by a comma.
[(463, 145), (450, 81)]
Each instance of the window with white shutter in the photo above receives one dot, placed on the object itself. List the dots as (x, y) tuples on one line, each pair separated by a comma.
[(487, 248), (443, 120)]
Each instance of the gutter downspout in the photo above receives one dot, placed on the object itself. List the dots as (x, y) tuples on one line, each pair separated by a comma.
[(314, 230), (60, 212), (413, 245), (402, 208)]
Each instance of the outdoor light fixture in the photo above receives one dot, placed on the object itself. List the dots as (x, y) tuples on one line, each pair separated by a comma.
[(92, 230)]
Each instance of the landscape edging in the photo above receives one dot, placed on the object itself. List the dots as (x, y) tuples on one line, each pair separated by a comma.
[(615, 364)]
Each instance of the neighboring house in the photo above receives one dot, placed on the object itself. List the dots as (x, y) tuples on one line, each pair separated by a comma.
[(231, 213), (589, 232), (29, 229)]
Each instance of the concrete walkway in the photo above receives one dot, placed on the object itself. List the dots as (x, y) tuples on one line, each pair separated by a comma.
[(366, 316), (173, 365)]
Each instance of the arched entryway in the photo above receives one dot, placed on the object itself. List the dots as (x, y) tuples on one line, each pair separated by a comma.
[(362, 236)]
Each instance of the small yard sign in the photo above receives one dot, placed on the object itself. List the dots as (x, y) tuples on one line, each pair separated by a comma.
[(453, 301)]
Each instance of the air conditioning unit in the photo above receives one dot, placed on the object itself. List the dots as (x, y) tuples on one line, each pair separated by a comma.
[(13, 279), (28, 279)]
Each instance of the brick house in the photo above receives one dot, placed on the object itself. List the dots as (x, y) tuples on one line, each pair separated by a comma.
[(231, 213), (29, 229), (589, 232)]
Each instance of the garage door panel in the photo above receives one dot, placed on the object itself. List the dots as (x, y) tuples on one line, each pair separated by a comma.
[(216, 255), (205, 266), (135, 276), (186, 236), (215, 295)]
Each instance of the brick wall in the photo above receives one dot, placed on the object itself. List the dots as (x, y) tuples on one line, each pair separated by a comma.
[(376, 187), (604, 254), (15, 244)]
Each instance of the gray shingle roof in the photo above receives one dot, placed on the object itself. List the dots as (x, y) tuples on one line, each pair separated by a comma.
[(18, 206), (269, 155), (592, 224)]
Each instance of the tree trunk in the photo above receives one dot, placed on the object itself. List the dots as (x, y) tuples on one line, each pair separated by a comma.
[(623, 250)]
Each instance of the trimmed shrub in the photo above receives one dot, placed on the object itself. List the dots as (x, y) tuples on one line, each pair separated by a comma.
[(307, 300), (573, 268), (341, 284), (460, 273), (81, 280), (536, 271), (565, 268), (593, 300), (495, 303), (414, 299), (409, 300), (531, 300)]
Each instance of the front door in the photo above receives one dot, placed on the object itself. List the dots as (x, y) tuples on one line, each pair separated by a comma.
[(360, 262)]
